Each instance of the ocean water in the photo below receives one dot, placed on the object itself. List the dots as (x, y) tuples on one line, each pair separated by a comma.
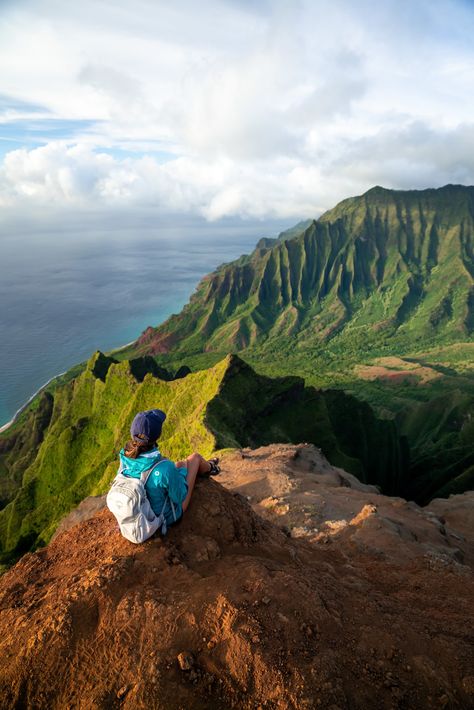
[(65, 295)]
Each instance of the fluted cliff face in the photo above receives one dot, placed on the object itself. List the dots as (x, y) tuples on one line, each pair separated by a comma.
[(335, 300), (398, 264), (376, 298)]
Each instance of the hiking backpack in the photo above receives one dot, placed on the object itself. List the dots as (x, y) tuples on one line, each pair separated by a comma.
[(128, 501)]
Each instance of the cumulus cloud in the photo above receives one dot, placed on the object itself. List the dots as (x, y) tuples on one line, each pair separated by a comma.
[(231, 108), (58, 175)]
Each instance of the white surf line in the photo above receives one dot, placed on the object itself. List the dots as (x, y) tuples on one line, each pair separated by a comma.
[(122, 347), (24, 406)]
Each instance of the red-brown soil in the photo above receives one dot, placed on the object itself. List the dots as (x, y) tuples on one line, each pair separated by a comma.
[(297, 488), (396, 370), (228, 610)]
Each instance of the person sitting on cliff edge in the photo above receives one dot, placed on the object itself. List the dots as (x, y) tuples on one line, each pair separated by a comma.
[(170, 485)]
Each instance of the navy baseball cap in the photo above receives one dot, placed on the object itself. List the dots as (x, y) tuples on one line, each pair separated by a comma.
[(146, 426)]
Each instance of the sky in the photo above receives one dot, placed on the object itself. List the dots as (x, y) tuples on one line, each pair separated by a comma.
[(253, 109)]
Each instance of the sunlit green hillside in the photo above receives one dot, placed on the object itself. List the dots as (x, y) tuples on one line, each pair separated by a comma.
[(374, 303), (386, 271), (375, 298), (81, 426)]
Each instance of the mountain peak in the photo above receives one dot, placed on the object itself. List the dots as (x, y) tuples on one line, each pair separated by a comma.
[(449, 187), (377, 190), (314, 282)]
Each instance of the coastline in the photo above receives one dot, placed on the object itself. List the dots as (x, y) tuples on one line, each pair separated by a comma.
[(122, 347), (241, 239), (6, 426)]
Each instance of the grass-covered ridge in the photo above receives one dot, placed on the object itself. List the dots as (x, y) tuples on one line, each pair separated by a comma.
[(88, 424), (228, 405), (385, 276), (374, 302)]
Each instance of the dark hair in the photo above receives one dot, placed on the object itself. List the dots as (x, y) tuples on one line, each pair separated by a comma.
[(134, 448)]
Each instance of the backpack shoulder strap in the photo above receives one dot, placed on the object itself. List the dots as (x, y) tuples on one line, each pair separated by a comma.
[(172, 508), (161, 517), (144, 477), (147, 473), (168, 497)]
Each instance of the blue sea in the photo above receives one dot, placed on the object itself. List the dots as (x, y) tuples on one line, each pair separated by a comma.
[(66, 292)]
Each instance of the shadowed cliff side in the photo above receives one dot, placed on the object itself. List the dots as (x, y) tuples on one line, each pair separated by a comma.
[(385, 276), (228, 405)]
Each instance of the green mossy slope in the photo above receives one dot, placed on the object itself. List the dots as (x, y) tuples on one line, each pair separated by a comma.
[(388, 273), (228, 405), (89, 423), (387, 268)]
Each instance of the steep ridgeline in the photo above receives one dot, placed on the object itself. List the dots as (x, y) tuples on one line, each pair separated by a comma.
[(375, 298), (87, 421), (387, 269)]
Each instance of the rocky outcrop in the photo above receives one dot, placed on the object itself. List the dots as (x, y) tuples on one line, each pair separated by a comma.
[(231, 610), (298, 489)]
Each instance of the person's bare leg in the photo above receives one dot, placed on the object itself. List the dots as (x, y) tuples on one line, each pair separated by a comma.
[(204, 465), (195, 464)]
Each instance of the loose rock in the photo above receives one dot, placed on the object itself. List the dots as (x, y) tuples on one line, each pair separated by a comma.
[(185, 660)]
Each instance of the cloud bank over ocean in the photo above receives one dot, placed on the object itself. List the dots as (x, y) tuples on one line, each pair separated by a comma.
[(230, 108)]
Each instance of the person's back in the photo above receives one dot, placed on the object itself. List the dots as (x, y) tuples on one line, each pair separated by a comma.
[(166, 481), (168, 486)]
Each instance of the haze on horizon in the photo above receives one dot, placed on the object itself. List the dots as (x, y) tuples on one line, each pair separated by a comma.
[(230, 109)]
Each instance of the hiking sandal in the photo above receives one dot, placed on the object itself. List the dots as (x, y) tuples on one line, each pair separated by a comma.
[(215, 468)]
